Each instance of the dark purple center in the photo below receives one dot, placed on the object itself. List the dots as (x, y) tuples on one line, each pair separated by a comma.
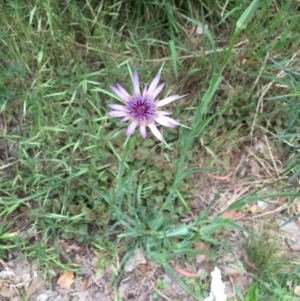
[(142, 108)]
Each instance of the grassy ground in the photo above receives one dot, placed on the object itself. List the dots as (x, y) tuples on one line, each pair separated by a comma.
[(65, 175)]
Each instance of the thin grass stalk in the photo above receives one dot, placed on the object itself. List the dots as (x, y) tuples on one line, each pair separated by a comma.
[(120, 190), (197, 128), (198, 118)]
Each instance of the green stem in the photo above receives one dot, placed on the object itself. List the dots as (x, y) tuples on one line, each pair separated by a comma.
[(122, 166)]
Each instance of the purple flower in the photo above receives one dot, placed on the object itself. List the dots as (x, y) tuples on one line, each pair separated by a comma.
[(142, 108), (200, 30)]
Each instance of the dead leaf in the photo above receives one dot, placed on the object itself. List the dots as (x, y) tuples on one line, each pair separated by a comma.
[(255, 209), (66, 280), (186, 273), (200, 246), (65, 246), (6, 291), (83, 285), (144, 267), (233, 214), (77, 259), (297, 290), (35, 285), (135, 260)]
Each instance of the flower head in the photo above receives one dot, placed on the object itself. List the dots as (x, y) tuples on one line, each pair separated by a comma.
[(200, 29), (142, 108)]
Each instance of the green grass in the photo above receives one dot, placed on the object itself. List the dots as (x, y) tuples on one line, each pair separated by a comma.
[(275, 274), (64, 171)]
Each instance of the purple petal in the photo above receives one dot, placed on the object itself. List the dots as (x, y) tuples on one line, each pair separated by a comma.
[(164, 113), (157, 90), (125, 119), (165, 124), (167, 100), (121, 89), (145, 90), (120, 94), (143, 131), (118, 107), (171, 120), (136, 83), (167, 121), (155, 132), (131, 128), (154, 84), (199, 29), (117, 114)]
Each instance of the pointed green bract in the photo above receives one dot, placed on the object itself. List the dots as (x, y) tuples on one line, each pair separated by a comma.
[(247, 15)]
